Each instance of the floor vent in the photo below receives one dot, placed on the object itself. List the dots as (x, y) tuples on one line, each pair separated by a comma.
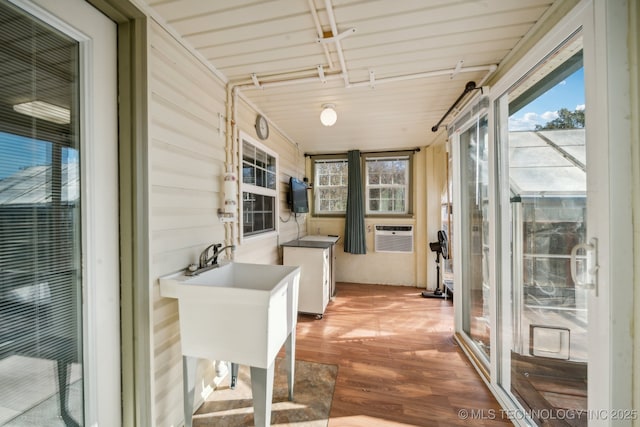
[(394, 238)]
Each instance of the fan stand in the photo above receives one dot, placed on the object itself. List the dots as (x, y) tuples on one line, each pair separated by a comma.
[(438, 293)]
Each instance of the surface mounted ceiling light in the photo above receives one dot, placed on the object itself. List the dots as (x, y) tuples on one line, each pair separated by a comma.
[(328, 116), (45, 111)]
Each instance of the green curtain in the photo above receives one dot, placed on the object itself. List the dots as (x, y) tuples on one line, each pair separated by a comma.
[(354, 232)]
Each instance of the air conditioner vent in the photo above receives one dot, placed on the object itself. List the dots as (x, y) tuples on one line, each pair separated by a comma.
[(394, 238)]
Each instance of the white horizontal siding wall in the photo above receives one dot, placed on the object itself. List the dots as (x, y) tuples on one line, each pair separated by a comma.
[(265, 249), (186, 164), (187, 155)]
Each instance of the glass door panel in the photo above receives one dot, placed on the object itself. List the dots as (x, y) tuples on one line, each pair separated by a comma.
[(546, 164), (474, 284), (41, 374)]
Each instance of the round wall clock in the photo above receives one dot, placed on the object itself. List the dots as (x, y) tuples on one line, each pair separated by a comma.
[(262, 127)]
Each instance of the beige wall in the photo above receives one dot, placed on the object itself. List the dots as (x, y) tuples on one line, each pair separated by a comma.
[(186, 164), (411, 269)]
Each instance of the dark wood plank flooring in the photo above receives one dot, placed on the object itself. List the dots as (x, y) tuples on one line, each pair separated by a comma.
[(398, 363), (553, 387)]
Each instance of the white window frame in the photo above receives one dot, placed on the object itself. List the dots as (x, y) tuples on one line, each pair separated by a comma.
[(316, 187), (257, 189), (406, 185)]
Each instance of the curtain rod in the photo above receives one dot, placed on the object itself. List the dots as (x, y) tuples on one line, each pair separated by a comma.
[(414, 150), (467, 88)]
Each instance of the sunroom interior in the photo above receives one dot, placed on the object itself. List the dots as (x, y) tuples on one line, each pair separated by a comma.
[(505, 128)]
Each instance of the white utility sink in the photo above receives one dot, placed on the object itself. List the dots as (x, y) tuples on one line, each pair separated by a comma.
[(237, 312), (241, 313)]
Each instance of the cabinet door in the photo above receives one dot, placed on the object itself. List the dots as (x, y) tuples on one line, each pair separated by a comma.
[(314, 282)]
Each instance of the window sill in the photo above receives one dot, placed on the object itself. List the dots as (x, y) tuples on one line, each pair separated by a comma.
[(259, 236)]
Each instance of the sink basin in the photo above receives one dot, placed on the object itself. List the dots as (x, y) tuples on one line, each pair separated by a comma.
[(238, 312)]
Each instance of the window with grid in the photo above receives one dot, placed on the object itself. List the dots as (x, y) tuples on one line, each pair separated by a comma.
[(387, 185), (259, 188), (330, 186)]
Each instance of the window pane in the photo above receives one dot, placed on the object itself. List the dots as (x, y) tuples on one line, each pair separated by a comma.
[(248, 174), (258, 221), (330, 188), (399, 198), (261, 159), (268, 221), (271, 163), (248, 152), (271, 180), (260, 178), (387, 182), (386, 179), (258, 213)]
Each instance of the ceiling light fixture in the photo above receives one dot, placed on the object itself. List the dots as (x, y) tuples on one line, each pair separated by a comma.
[(45, 111), (328, 116)]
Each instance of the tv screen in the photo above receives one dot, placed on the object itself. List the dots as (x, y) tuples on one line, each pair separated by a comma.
[(298, 196)]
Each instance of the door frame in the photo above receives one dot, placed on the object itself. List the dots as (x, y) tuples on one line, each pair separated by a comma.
[(609, 189), (480, 361)]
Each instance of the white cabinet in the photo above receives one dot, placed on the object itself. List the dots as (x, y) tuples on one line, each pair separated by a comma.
[(315, 276), (332, 255)]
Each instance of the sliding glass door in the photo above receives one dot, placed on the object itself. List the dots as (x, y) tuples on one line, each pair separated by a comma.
[(541, 225), (472, 145), (544, 157)]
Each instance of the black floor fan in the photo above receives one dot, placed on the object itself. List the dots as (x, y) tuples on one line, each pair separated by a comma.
[(441, 248)]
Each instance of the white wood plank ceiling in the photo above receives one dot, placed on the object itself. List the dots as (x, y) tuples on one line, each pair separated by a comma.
[(396, 68)]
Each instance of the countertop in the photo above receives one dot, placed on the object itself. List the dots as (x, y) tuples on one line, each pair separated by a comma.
[(313, 241)]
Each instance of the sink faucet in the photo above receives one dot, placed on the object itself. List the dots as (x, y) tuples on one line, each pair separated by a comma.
[(210, 255), (208, 259), (205, 259)]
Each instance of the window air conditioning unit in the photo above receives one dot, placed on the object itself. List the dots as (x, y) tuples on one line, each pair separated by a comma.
[(394, 238)]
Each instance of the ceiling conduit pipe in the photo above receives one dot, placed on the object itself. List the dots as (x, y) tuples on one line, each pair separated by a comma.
[(367, 83), (316, 21), (492, 69), (489, 68), (302, 80), (334, 31)]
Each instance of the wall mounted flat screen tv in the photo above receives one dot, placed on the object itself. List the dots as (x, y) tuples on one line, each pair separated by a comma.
[(298, 196)]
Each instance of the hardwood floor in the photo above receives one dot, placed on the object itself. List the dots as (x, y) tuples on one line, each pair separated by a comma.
[(398, 363)]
